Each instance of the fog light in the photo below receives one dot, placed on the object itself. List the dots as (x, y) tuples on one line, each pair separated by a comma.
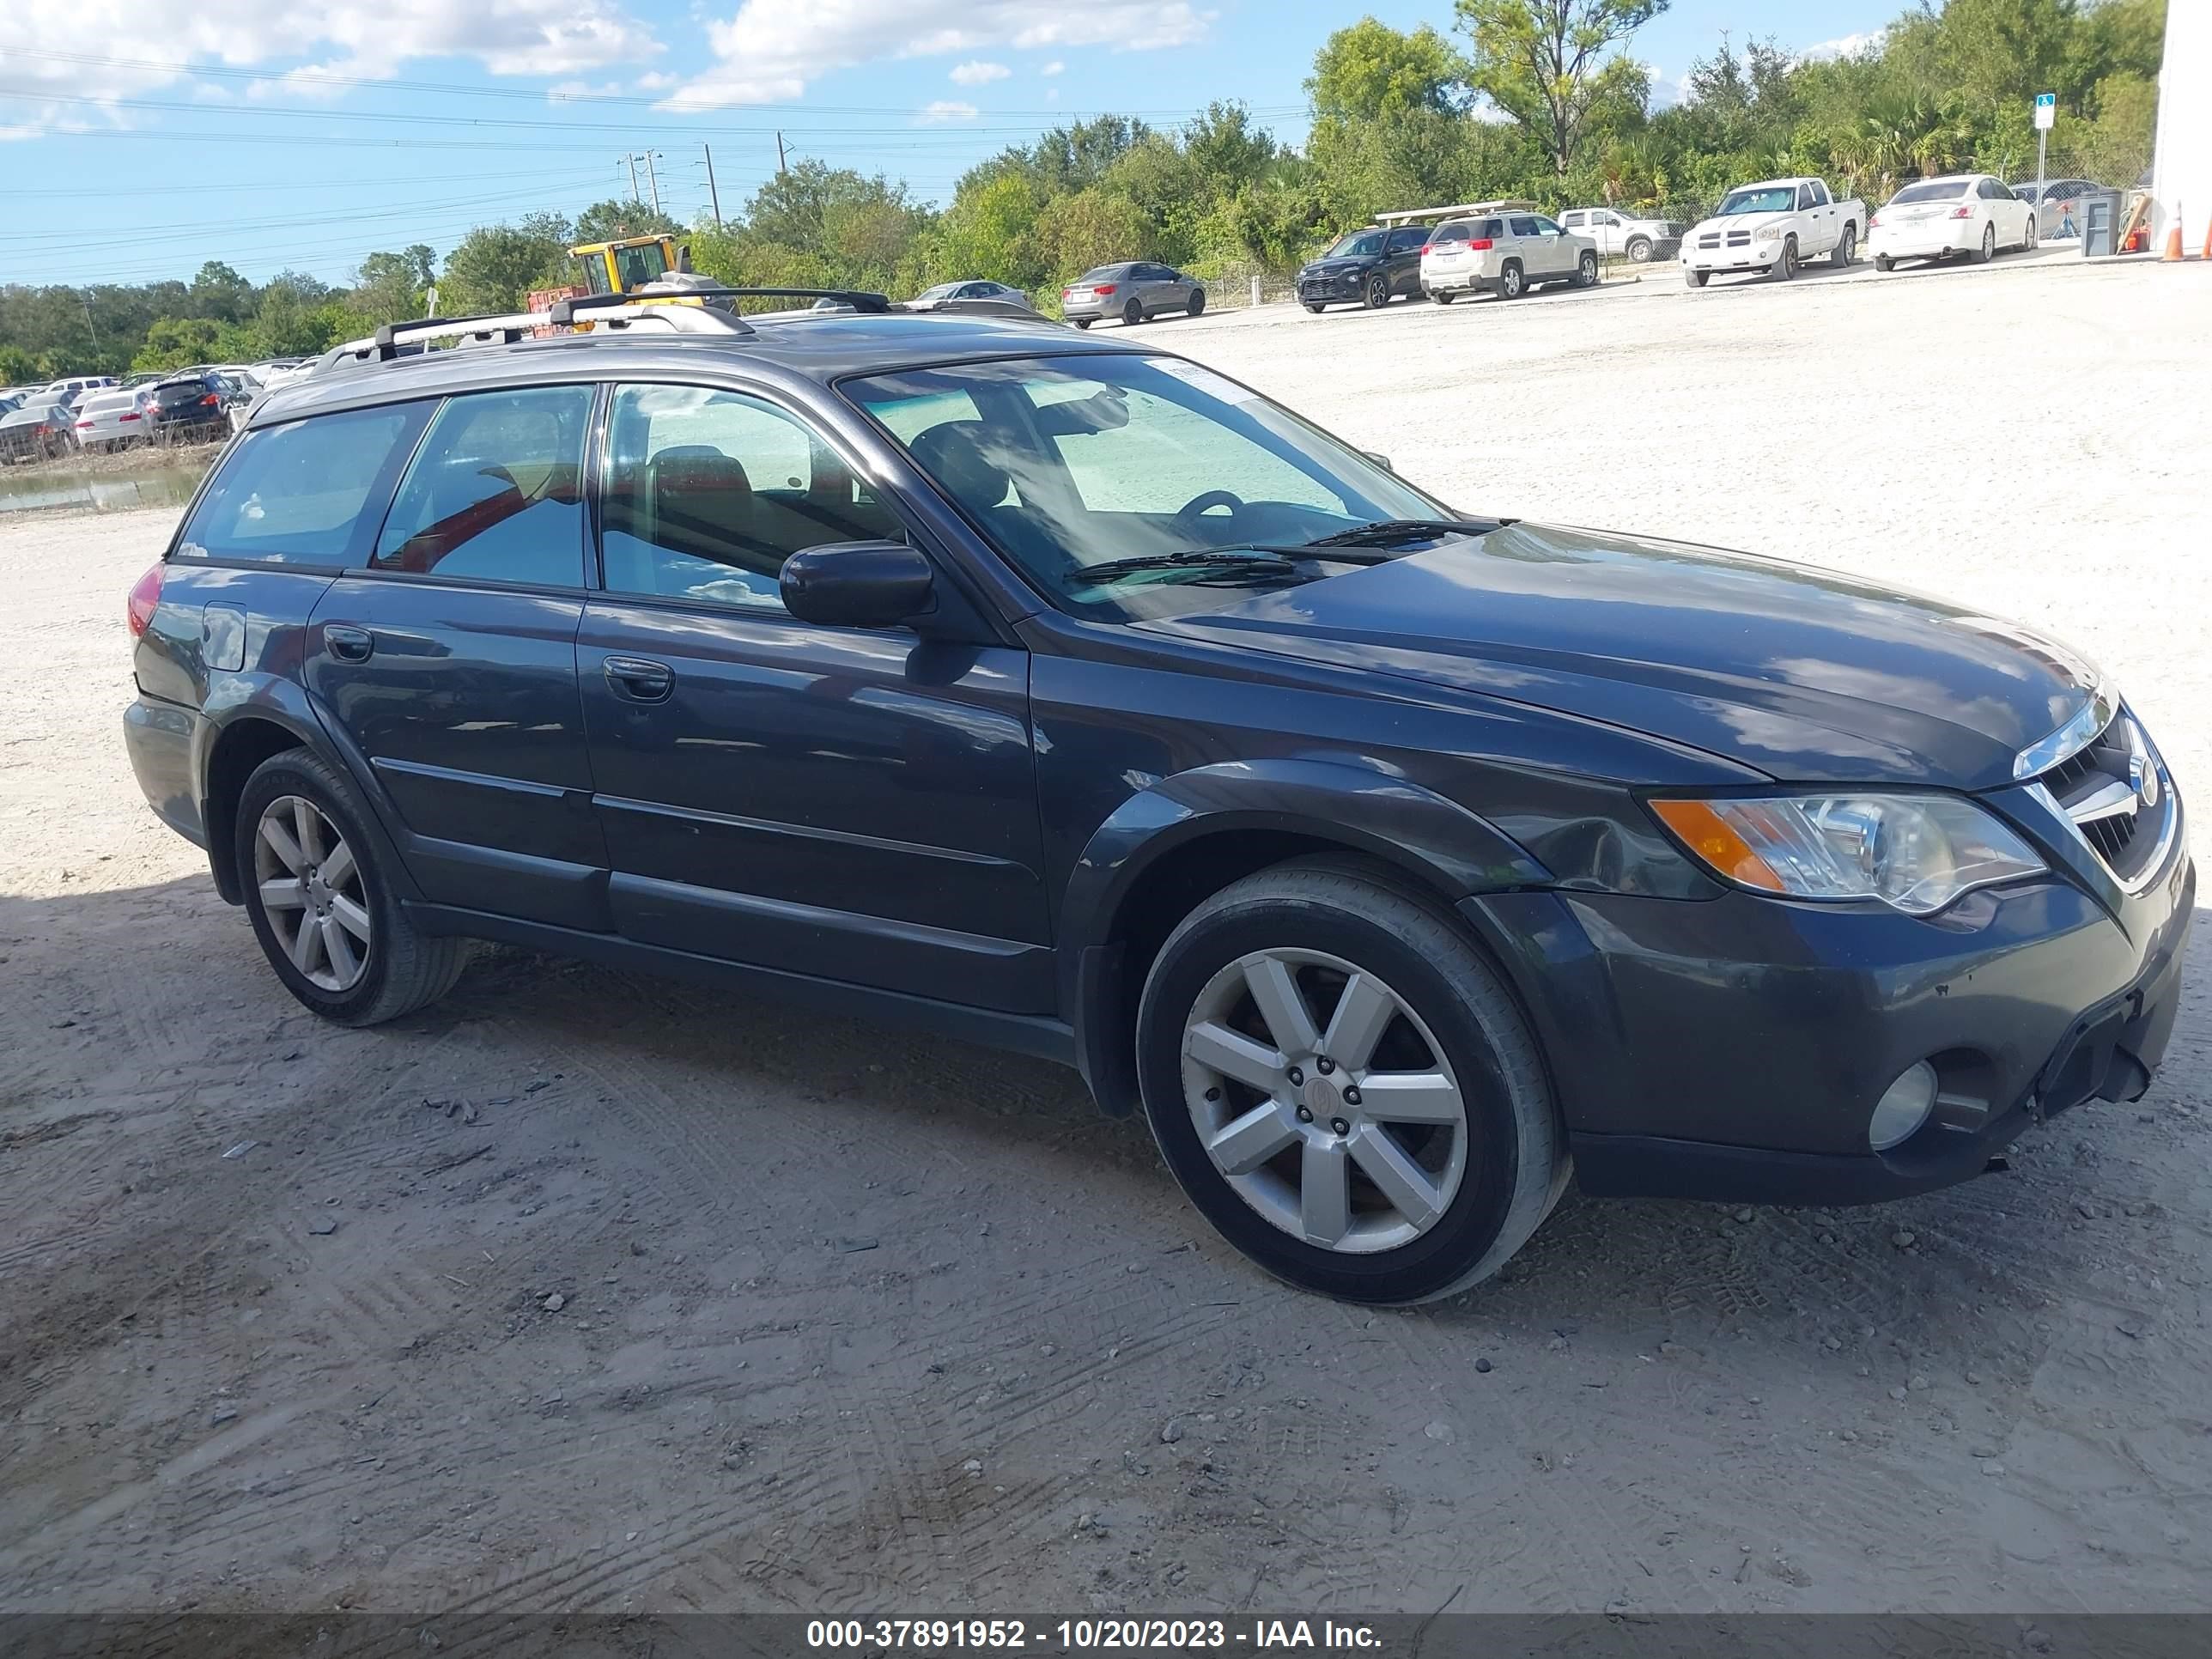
[(1903, 1106)]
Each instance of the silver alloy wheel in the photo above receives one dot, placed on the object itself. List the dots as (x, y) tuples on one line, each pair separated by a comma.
[(312, 892), (1349, 1133)]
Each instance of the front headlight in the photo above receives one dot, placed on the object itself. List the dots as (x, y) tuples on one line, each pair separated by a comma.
[(1767, 234), (1917, 853)]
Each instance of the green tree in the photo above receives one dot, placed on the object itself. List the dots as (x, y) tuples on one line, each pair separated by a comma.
[(389, 287), (612, 219), (1543, 63), (494, 266), (177, 342), (220, 293), (1371, 71), (1093, 226)]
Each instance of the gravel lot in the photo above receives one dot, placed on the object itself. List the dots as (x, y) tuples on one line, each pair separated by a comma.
[(852, 1321)]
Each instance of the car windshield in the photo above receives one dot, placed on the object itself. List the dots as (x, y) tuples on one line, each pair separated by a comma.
[(1767, 199), (1947, 189), (1361, 244), (1068, 464), (942, 291)]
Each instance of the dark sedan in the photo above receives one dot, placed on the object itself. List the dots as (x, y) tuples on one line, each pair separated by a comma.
[(1400, 862), (37, 431), (1369, 267)]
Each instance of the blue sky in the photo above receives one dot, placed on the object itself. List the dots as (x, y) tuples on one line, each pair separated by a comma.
[(136, 140)]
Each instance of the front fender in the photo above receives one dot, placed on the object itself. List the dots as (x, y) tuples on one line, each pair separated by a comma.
[(1438, 842)]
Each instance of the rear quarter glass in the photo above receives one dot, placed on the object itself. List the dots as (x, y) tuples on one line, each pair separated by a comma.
[(310, 491)]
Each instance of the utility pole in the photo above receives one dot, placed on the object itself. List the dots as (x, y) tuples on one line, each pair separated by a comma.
[(85, 299), (630, 161), (779, 155), (653, 179), (713, 195)]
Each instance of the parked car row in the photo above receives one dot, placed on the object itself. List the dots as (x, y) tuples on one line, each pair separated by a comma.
[(96, 413)]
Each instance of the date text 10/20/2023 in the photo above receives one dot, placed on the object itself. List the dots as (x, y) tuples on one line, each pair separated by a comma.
[(865, 1636)]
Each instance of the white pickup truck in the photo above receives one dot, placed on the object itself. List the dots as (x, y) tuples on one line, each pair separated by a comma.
[(1772, 227)]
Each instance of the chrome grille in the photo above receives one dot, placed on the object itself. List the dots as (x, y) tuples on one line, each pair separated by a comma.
[(2115, 793)]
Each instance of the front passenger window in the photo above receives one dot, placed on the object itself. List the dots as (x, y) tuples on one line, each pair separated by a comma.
[(707, 493)]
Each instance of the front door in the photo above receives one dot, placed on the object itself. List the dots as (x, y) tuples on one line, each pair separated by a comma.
[(847, 803), (450, 660)]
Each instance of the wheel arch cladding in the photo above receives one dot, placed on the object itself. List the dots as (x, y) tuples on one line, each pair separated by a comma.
[(1171, 846), (239, 747)]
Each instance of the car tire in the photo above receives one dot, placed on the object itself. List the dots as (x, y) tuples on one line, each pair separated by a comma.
[(1475, 1177), (1132, 314), (1639, 250), (1846, 250), (2032, 236), (1443, 296), (1197, 305), (1586, 271), (1988, 250), (1785, 261), (1316, 309), (1080, 322), (1377, 295), (1511, 284), (371, 963), (1696, 278)]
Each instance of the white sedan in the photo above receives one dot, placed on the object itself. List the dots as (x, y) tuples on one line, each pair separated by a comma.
[(1973, 214)]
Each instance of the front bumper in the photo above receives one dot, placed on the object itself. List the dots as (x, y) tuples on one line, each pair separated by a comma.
[(1752, 256), (1733, 1049), (1328, 290)]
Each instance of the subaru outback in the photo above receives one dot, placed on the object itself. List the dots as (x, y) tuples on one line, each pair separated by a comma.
[(1395, 860)]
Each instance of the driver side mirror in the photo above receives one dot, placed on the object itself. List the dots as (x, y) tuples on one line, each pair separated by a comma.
[(857, 584)]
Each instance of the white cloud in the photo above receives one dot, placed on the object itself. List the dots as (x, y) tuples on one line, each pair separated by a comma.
[(976, 73), (769, 50), (45, 48), (1053, 68), (943, 110), (1843, 46)]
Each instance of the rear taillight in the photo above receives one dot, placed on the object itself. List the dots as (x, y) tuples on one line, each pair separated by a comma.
[(84, 426), (145, 595), (1874, 221), (1104, 287), (1425, 247), (1479, 244), (131, 416), (1962, 213), (210, 400)]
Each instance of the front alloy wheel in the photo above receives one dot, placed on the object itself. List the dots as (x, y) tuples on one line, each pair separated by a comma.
[(1378, 291), (1344, 1088)]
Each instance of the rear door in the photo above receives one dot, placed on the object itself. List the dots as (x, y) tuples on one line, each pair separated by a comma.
[(1405, 257), (849, 804), (449, 657)]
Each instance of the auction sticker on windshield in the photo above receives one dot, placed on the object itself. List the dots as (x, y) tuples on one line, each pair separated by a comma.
[(1214, 385)]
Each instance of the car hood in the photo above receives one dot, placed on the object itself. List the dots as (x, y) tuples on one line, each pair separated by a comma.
[(1339, 265), (1803, 675), (1750, 222)]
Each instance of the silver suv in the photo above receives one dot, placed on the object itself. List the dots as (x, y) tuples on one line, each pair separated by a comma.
[(1505, 254)]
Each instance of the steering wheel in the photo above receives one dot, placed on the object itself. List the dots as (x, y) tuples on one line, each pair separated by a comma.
[(1212, 498)]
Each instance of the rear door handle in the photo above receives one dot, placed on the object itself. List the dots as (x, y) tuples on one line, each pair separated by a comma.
[(349, 644), (640, 679)]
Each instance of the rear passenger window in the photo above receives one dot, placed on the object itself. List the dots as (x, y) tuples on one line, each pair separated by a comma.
[(496, 491), (1524, 227), (307, 492), (707, 493)]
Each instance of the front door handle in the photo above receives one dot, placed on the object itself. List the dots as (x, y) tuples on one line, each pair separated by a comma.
[(349, 644), (640, 679)]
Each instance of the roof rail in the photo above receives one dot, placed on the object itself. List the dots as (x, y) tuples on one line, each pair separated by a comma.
[(391, 340)]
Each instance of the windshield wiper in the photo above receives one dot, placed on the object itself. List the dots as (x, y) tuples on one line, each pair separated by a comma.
[(1390, 532), (1258, 562)]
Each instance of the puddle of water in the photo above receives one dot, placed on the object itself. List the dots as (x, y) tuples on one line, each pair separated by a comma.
[(106, 492)]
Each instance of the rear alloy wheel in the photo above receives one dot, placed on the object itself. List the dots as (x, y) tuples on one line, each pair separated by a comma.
[(1443, 296), (1884, 263), (1132, 314), (1847, 248), (1989, 248), (1639, 250), (319, 904), (1586, 272), (1197, 305), (1080, 322), (2031, 235), (1509, 280), (1378, 292), (1344, 1088)]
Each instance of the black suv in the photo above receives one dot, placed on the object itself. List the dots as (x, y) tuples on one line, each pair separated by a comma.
[(1369, 267), (1067, 696)]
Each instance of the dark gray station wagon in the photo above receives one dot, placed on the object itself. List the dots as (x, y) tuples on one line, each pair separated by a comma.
[(1398, 861)]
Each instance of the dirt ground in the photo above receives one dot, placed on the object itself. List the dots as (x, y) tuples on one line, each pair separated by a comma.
[(853, 1321)]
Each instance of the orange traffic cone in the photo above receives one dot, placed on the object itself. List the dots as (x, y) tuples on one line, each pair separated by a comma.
[(2207, 254), (2172, 254)]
